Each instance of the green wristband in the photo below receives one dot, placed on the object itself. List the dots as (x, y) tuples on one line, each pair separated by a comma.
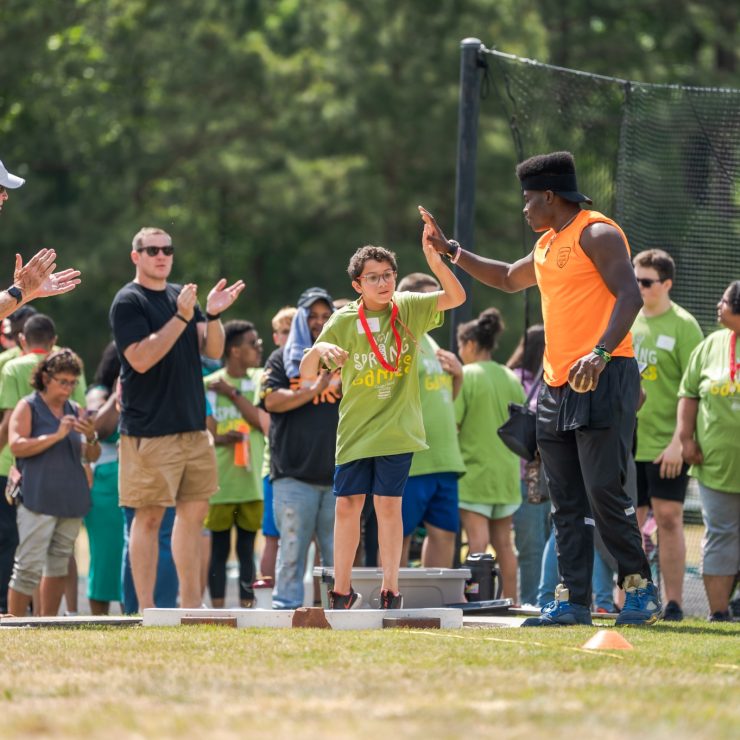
[(601, 352)]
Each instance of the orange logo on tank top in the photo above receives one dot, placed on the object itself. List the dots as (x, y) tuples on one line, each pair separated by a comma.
[(563, 255)]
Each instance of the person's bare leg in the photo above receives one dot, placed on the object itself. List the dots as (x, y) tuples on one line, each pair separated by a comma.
[(18, 603), (99, 608), (476, 529), (390, 538), (438, 550), (36, 601), (671, 546), (71, 587), (642, 514), (405, 548), (718, 592), (186, 550), (144, 552), (205, 563), (52, 590), (316, 579), (269, 557), (505, 555), (346, 539)]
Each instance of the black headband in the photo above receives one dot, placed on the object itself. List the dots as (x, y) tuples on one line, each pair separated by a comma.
[(565, 183)]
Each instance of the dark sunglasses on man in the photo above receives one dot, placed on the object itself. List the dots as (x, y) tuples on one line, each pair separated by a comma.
[(154, 251), (648, 282)]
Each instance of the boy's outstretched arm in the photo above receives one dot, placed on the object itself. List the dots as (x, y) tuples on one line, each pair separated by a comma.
[(322, 352), (453, 293)]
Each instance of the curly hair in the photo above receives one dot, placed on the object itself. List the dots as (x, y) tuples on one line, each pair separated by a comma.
[(369, 252), (555, 163), (61, 361)]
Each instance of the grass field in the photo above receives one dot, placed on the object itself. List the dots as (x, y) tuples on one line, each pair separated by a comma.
[(680, 681)]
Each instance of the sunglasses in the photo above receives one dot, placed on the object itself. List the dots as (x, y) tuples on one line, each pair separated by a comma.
[(648, 282), (154, 251)]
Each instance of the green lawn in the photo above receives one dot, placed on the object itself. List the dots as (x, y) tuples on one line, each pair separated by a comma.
[(679, 681)]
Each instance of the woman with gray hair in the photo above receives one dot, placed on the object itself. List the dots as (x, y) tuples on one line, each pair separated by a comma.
[(50, 439)]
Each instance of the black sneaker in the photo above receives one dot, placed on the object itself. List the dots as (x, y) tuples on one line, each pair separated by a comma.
[(720, 617), (344, 601), (389, 600), (673, 612)]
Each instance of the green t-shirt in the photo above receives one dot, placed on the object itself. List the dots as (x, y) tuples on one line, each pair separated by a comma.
[(664, 343), (15, 384), (718, 420), (438, 412), (482, 406), (380, 411), (239, 465), (8, 355)]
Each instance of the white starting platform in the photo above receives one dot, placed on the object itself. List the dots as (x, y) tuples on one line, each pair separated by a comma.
[(338, 619)]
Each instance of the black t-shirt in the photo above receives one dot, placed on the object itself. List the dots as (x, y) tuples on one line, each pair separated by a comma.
[(302, 441), (168, 398)]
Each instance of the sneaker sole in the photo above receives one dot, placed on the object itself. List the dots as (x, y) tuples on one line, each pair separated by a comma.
[(652, 619)]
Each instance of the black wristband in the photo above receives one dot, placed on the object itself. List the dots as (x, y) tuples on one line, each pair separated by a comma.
[(213, 316), (182, 318)]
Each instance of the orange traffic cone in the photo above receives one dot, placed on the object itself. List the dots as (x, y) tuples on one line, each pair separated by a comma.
[(607, 640)]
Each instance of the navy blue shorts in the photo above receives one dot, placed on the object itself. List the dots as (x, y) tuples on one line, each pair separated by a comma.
[(383, 476), (431, 498)]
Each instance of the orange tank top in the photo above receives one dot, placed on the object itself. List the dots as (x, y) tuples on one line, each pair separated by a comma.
[(576, 304)]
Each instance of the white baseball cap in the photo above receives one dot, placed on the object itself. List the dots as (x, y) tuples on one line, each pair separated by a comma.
[(9, 181)]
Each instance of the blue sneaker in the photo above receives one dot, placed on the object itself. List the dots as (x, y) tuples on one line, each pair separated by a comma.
[(560, 612), (641, 601)]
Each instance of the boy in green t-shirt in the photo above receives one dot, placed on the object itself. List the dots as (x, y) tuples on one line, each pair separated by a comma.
[(664, 335), (237, 426), (374, 341)]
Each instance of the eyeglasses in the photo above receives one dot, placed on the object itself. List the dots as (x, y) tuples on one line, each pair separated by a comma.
[(65, 383), (373, 279), (154, 251), (256, 343), (648, 282)]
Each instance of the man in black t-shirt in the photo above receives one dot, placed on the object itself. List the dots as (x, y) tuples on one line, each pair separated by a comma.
[(303, 431), (166, 454)]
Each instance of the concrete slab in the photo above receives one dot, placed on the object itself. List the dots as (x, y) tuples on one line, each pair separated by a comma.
[(68, 622), (490, 622), (355, 619)]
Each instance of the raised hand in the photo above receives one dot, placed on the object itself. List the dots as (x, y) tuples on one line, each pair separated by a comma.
[(433, 235), (187, 299), (30, 277), (58, 283), (221, 297)]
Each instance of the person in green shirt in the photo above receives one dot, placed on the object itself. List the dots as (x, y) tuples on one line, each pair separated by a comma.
[(374, 341), (430, 496), (664, 335), (238, 429), (709, 428), (489, 490)]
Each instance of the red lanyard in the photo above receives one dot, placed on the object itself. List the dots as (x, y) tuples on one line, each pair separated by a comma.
[(734, 366), (371, 339)]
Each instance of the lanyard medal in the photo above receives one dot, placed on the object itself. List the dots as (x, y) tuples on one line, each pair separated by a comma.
[(374, 344)]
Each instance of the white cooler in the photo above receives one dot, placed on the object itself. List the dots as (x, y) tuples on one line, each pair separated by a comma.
[(422, 588)]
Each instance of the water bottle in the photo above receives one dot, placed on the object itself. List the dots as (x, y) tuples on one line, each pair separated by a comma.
[(483, 572)]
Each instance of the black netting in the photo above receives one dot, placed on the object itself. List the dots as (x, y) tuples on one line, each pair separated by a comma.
[(662, 160)]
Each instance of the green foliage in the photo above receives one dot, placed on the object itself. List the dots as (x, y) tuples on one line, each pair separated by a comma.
[(273, 137)]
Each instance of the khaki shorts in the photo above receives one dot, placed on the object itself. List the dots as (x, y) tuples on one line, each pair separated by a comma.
[(160, 471), (246, 516)]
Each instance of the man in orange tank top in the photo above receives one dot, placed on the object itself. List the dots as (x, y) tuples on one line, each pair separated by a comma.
[(587, 406)]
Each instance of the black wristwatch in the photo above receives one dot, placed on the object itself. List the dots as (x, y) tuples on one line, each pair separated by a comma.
[(454, 248), (16, 293), (213, 316)]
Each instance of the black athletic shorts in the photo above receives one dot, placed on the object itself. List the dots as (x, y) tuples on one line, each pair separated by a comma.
[(651, 485)]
